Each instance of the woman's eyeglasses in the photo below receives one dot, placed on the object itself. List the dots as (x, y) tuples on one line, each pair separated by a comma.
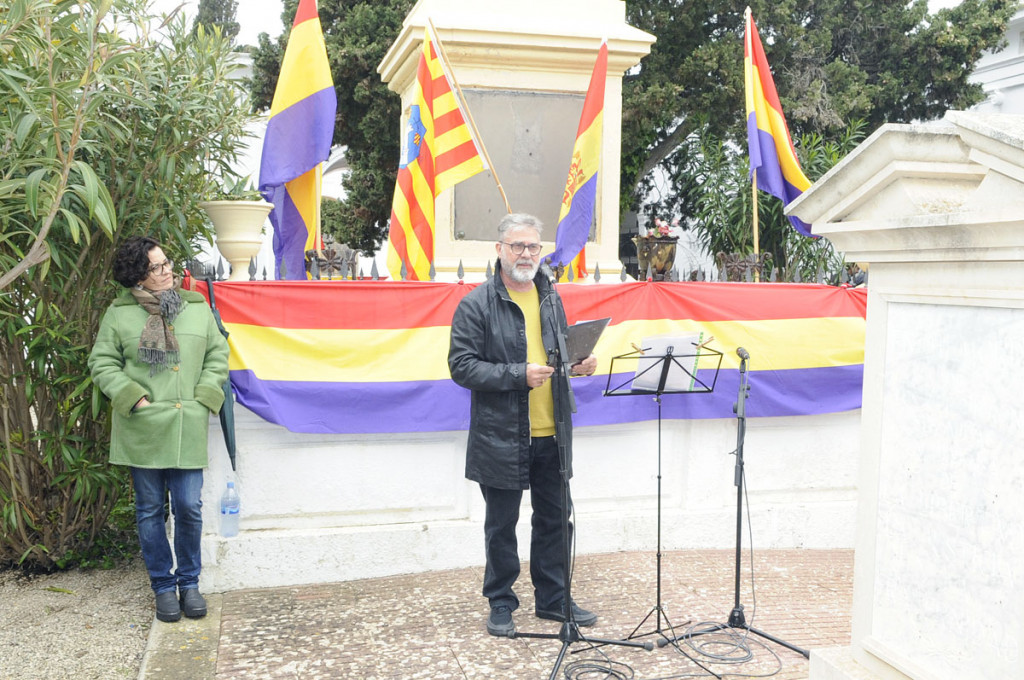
[(518, 248), (161, 266)]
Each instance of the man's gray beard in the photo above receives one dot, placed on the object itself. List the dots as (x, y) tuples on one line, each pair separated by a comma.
[(523, 276)]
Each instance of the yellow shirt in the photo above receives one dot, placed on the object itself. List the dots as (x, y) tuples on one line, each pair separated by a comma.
[(542, 406)]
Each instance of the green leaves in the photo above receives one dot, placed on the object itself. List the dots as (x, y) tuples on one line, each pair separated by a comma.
[(104, 134)]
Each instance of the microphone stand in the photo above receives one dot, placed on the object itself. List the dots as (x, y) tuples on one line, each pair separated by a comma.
[(565, 405), (736, 617)]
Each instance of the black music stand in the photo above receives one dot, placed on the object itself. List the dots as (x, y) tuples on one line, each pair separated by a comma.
[(660, 367), (736, 617), (565, 404)]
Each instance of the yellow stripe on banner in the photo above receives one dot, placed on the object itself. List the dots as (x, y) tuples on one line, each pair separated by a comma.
[(776, 344), (453, 138), (444, 102), (305, 194), (450, 178), (789, 163), (305, 69), (424, 197), (340, 355), (396, 355), (589, 146)]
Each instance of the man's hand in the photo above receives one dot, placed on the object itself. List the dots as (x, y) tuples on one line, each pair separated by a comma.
[(585, 367), (536, 374)]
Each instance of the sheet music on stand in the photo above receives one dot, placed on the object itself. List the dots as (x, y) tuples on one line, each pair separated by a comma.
[(668, 364)]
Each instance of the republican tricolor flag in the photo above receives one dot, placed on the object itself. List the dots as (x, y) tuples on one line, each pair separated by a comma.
[(580, 195), (297, 141), (438, 152), (772, 155)]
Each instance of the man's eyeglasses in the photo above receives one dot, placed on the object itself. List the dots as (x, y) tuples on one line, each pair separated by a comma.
[(161, 266), (518, 248)]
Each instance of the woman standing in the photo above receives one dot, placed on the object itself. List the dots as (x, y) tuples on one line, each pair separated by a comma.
[(162, 362)]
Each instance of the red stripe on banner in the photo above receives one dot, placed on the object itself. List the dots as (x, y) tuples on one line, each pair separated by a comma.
[(455, 157), (447, 122), (594, 103), (396, 234), (713, 301), (439, 86), (344, 305), (393, 304), (305, 12)]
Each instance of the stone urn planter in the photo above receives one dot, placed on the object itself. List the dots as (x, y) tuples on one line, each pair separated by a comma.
[(655, 253), (239, 229)]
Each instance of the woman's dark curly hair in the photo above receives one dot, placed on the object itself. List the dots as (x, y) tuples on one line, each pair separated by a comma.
[(131, 262)]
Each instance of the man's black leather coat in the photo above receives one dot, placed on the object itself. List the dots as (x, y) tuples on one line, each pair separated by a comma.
[(487, 355)]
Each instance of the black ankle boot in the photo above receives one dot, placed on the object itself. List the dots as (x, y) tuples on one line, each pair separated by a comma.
[(167, 609)]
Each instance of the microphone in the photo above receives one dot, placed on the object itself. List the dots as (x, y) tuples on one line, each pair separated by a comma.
[(545, 269), (742, 353)]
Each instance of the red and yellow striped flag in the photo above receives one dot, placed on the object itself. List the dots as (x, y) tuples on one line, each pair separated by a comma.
[(438, 152)]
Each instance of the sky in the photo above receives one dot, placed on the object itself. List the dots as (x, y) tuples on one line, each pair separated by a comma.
[(264, 16), (253, 16)]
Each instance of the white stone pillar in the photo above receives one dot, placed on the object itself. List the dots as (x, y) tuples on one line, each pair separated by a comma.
[(938, 212)]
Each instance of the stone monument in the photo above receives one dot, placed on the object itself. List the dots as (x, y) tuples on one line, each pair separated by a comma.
[(938, 211), (524, 67)]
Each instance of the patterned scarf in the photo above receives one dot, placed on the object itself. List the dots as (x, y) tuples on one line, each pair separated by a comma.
[(158, 347)]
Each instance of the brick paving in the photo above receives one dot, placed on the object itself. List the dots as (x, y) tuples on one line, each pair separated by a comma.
[(432, 625)]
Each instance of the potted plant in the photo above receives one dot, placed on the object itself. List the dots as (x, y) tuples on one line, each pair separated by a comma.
[(238, 221), (656, 250)]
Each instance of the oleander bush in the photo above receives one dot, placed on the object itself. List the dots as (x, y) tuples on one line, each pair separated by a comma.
[(112, 123)]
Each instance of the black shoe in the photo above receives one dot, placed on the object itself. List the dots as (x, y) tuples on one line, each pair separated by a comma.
[(167, 609), (500, 622), (192, 603), (581, 616)]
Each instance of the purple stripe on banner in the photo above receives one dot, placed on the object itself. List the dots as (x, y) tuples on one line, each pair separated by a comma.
[(331, 408), (769, 174), (441, 405), (771, 179), (752, 142), (298, 138), (796, 392), (573, 230), (290, 234)]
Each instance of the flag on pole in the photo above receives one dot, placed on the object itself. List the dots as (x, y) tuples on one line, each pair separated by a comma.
[(580, 196), (772, 154), (438, 152), (297, 141)]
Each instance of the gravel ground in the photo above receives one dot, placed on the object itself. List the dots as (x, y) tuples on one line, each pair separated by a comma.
[(81, 624)]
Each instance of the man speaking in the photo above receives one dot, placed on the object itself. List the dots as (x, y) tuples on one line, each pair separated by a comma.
[(502, 332)]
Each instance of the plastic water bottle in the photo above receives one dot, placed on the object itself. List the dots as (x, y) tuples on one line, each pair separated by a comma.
[(230, 504)]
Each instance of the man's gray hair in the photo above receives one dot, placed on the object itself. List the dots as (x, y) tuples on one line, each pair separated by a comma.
[(516, 221)]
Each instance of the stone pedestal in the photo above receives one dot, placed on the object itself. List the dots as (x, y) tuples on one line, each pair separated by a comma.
[(525, 67), (938, 211)]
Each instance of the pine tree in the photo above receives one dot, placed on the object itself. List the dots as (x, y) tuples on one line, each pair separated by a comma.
[(218, 13)]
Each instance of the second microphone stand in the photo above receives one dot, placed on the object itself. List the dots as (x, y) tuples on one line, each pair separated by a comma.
[(736, 616)]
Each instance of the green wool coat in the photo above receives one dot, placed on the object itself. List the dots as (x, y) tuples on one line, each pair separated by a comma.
[(172, 431)]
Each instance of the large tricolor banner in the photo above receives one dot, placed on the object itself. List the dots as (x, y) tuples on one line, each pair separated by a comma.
[(297, 141), (438, 152), (772, 155), (371, 357), (580, 196)]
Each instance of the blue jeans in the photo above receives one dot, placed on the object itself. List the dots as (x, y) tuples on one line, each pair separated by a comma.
[(151, 488), (546, 547)]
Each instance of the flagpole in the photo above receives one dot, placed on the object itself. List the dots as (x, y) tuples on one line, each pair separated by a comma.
[(469, 114), (757, 250)]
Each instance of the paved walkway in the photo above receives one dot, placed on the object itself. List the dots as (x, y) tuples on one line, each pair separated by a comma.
[(432, 625)]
